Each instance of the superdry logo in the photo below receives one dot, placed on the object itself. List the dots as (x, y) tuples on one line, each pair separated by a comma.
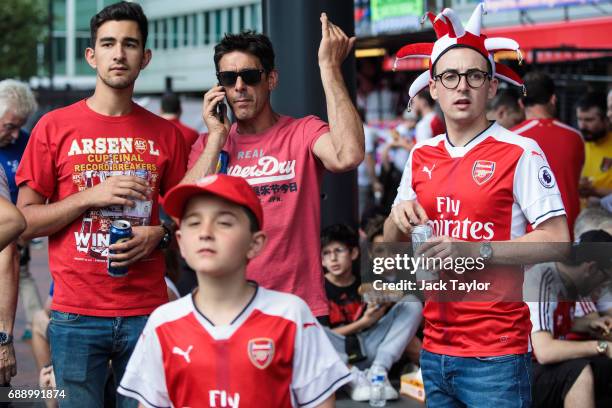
[(261, 352), (482, 171), (268, 169)]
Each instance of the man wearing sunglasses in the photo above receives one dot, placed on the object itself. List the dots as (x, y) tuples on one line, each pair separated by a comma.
[(477, 183), (283, 158)]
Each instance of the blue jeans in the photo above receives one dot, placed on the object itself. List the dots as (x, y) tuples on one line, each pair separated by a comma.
[(82, 346), (499, 382)]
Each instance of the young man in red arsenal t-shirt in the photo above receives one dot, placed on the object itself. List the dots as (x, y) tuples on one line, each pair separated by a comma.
[(562, 144), (282, 158), (477, 183), (231, 343), (86, 165)]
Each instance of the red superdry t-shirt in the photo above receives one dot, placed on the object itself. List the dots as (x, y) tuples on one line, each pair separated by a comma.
[(73, 149), (564, 150), (487, 190), (286, 175)]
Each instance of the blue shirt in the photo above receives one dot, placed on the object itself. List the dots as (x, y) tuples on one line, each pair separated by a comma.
[(10, 156)]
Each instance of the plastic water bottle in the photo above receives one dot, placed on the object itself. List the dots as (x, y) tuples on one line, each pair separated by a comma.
[(377, 386)]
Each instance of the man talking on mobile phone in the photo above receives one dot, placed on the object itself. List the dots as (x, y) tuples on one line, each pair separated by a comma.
[(282, 158)]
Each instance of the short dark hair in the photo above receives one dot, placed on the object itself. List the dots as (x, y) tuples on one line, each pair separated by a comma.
[(339, 233), (506, 97), (118, 12), (253, 223), (170, 103), (540, 88), (593, 100), (249, 42), (375, 227), (426, 96)]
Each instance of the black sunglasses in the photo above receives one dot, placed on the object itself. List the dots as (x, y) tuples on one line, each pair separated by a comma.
[(249, 76)]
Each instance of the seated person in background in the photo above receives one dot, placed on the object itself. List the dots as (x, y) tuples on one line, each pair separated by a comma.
[(231, 342), (570, 373), (364, 335)]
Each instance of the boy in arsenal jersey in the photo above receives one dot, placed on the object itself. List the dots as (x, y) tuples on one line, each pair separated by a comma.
[(231, 343), (476, 183)]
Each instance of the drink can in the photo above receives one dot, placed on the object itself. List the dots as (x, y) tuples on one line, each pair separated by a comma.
[(223, 162), (142, 209), (120, 231), (420, 234)]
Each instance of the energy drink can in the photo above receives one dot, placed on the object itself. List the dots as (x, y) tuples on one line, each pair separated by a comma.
[(120, 231), (223, 162)]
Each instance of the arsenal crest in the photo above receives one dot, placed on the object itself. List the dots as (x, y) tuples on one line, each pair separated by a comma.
[(261, 352), (483, 171)]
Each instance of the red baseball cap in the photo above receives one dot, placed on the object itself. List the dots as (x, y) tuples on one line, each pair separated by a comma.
[(234, 189)]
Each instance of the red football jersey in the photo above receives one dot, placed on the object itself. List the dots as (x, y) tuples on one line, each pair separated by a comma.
[(564, 150), (273, 354), (487, 190)]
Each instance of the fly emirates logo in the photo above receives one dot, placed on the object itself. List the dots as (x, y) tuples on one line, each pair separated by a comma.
[(223, 399), (268, 169), (461, 229)]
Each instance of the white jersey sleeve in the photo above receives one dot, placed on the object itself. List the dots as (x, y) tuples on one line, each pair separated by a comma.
[(317, 369), (541, 296), (535, 187), (405, 191), (144, 378)]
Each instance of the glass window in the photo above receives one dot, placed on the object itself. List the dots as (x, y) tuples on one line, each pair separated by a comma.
[(230, 20), (206, 28), (164, 34), (217, 26), (241, 26), (254, 16), (174, 32), (186, 32), (195, 31)]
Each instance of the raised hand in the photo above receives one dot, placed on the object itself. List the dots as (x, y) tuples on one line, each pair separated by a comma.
[(335, 44)]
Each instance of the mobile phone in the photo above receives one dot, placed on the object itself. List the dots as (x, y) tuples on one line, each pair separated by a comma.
[(221, 110)]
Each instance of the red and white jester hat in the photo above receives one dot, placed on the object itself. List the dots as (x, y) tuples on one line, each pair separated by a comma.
[(451, 34)]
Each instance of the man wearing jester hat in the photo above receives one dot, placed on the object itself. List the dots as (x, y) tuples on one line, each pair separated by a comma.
[(477, 183)]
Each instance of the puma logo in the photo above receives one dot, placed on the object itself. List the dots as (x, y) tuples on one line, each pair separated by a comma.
[(185, 354), (428, 171)]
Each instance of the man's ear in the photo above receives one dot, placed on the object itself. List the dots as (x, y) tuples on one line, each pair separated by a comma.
[(433, 90), (494, 83), (272, 79), (354, 253), (90, 55), (146, 58), (258, 242), (553, 100), (178, 236)]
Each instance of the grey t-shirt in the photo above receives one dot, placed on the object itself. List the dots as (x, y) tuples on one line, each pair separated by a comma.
[(4, 189)]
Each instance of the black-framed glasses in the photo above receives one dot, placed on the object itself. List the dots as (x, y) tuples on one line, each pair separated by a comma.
[(249, 76), (475, 78)]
